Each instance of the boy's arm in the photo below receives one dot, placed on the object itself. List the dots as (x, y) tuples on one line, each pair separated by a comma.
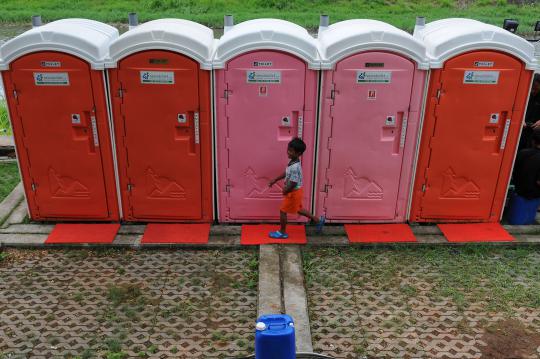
[(280, 177)]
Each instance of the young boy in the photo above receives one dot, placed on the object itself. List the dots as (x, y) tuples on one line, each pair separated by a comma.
[(292, 190)]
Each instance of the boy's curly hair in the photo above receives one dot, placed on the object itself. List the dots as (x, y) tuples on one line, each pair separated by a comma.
[(297, 145)]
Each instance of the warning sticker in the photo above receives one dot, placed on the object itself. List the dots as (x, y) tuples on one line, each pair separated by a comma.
[(262, 63), (157, 77), (481, 77), (372, 95), (484, 63), (268, 77), (373, 77), (51, 78), (51, 64)]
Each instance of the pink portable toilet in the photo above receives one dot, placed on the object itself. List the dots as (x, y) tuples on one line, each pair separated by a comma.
[(266, 94), (371, 100)]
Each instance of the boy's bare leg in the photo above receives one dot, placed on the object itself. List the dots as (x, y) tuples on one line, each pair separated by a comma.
[(283, 221), (307, 214)]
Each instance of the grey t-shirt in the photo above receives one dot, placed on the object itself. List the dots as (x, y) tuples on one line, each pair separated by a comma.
[(293, 173)]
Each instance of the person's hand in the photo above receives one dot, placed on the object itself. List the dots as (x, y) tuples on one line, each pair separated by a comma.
[(536, 124)]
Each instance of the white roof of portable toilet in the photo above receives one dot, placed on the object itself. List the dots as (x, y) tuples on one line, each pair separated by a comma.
[(186, 37), (87, 39), (450, 37), (348, 37), (266, 34)]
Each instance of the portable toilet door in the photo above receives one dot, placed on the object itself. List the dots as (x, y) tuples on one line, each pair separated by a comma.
[(55, 90), (372, 90), (479, 85), (161, 101), (266, 94)]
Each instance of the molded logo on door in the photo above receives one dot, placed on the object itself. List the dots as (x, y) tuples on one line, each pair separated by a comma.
[(65, 186), (257, 187), (358, 187), (273, 77), (481, 77), (157, 77), (373, 77), (458, 187), (51, 64), (163, 187), (51, 78)]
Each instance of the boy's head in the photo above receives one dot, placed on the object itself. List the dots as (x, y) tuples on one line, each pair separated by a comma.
[(296, 148)]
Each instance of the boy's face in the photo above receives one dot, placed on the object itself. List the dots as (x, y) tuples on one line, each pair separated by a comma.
[(292, 154)]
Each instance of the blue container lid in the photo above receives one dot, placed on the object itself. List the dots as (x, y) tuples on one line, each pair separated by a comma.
[(275, 324)]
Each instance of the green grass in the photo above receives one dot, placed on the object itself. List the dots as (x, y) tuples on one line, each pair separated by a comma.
[(9, 177), (502, 279), (5, 128), (304, 12)]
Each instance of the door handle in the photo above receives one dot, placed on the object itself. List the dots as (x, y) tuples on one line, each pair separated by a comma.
[(402, 136), (196, 127), (94, 130)]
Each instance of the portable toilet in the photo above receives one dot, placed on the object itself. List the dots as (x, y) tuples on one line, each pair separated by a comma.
[(478, 89), (373, 82), (55, 90), (159, 80), (266, 82)]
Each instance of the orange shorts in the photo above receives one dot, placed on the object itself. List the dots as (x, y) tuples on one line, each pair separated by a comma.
[(292, 202)]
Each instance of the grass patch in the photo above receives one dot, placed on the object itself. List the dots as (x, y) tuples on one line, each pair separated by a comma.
[(5, 128), (9, 178), (304, 12), (124, 293), (499, 279)]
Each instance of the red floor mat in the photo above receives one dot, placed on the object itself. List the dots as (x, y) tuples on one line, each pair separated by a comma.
[(192, 233), (475, 232), (83, 233), (258, 234), (379, 233)]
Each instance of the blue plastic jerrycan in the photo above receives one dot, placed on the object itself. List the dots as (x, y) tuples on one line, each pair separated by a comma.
[(274, 337)]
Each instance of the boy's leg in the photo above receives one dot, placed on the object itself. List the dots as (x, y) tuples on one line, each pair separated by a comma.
[(283, 221), (307, 214)]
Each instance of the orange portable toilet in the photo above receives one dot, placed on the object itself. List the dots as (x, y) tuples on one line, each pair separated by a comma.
[(478, 89), (159, 80), (55, 90)]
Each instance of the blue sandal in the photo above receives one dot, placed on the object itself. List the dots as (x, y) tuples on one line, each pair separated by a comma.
[(320, 225), (278, 235)]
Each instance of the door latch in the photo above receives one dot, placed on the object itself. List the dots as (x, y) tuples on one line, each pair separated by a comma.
[(286, 121), (390, 121)]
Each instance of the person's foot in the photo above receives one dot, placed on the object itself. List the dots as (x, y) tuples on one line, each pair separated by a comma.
[(278, 235), (320, 224)]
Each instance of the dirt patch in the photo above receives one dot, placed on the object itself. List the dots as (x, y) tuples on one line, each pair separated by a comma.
[(509, 339)]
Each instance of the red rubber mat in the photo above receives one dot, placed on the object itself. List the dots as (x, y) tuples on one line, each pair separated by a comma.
[(475, 232), (192, 233), (379, 233), (258, 234), (83, 233)]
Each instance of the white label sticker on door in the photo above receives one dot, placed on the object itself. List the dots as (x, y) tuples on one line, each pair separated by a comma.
[(157, 77), (267, 77), (51, 78), (373, 77), (481, 77)]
